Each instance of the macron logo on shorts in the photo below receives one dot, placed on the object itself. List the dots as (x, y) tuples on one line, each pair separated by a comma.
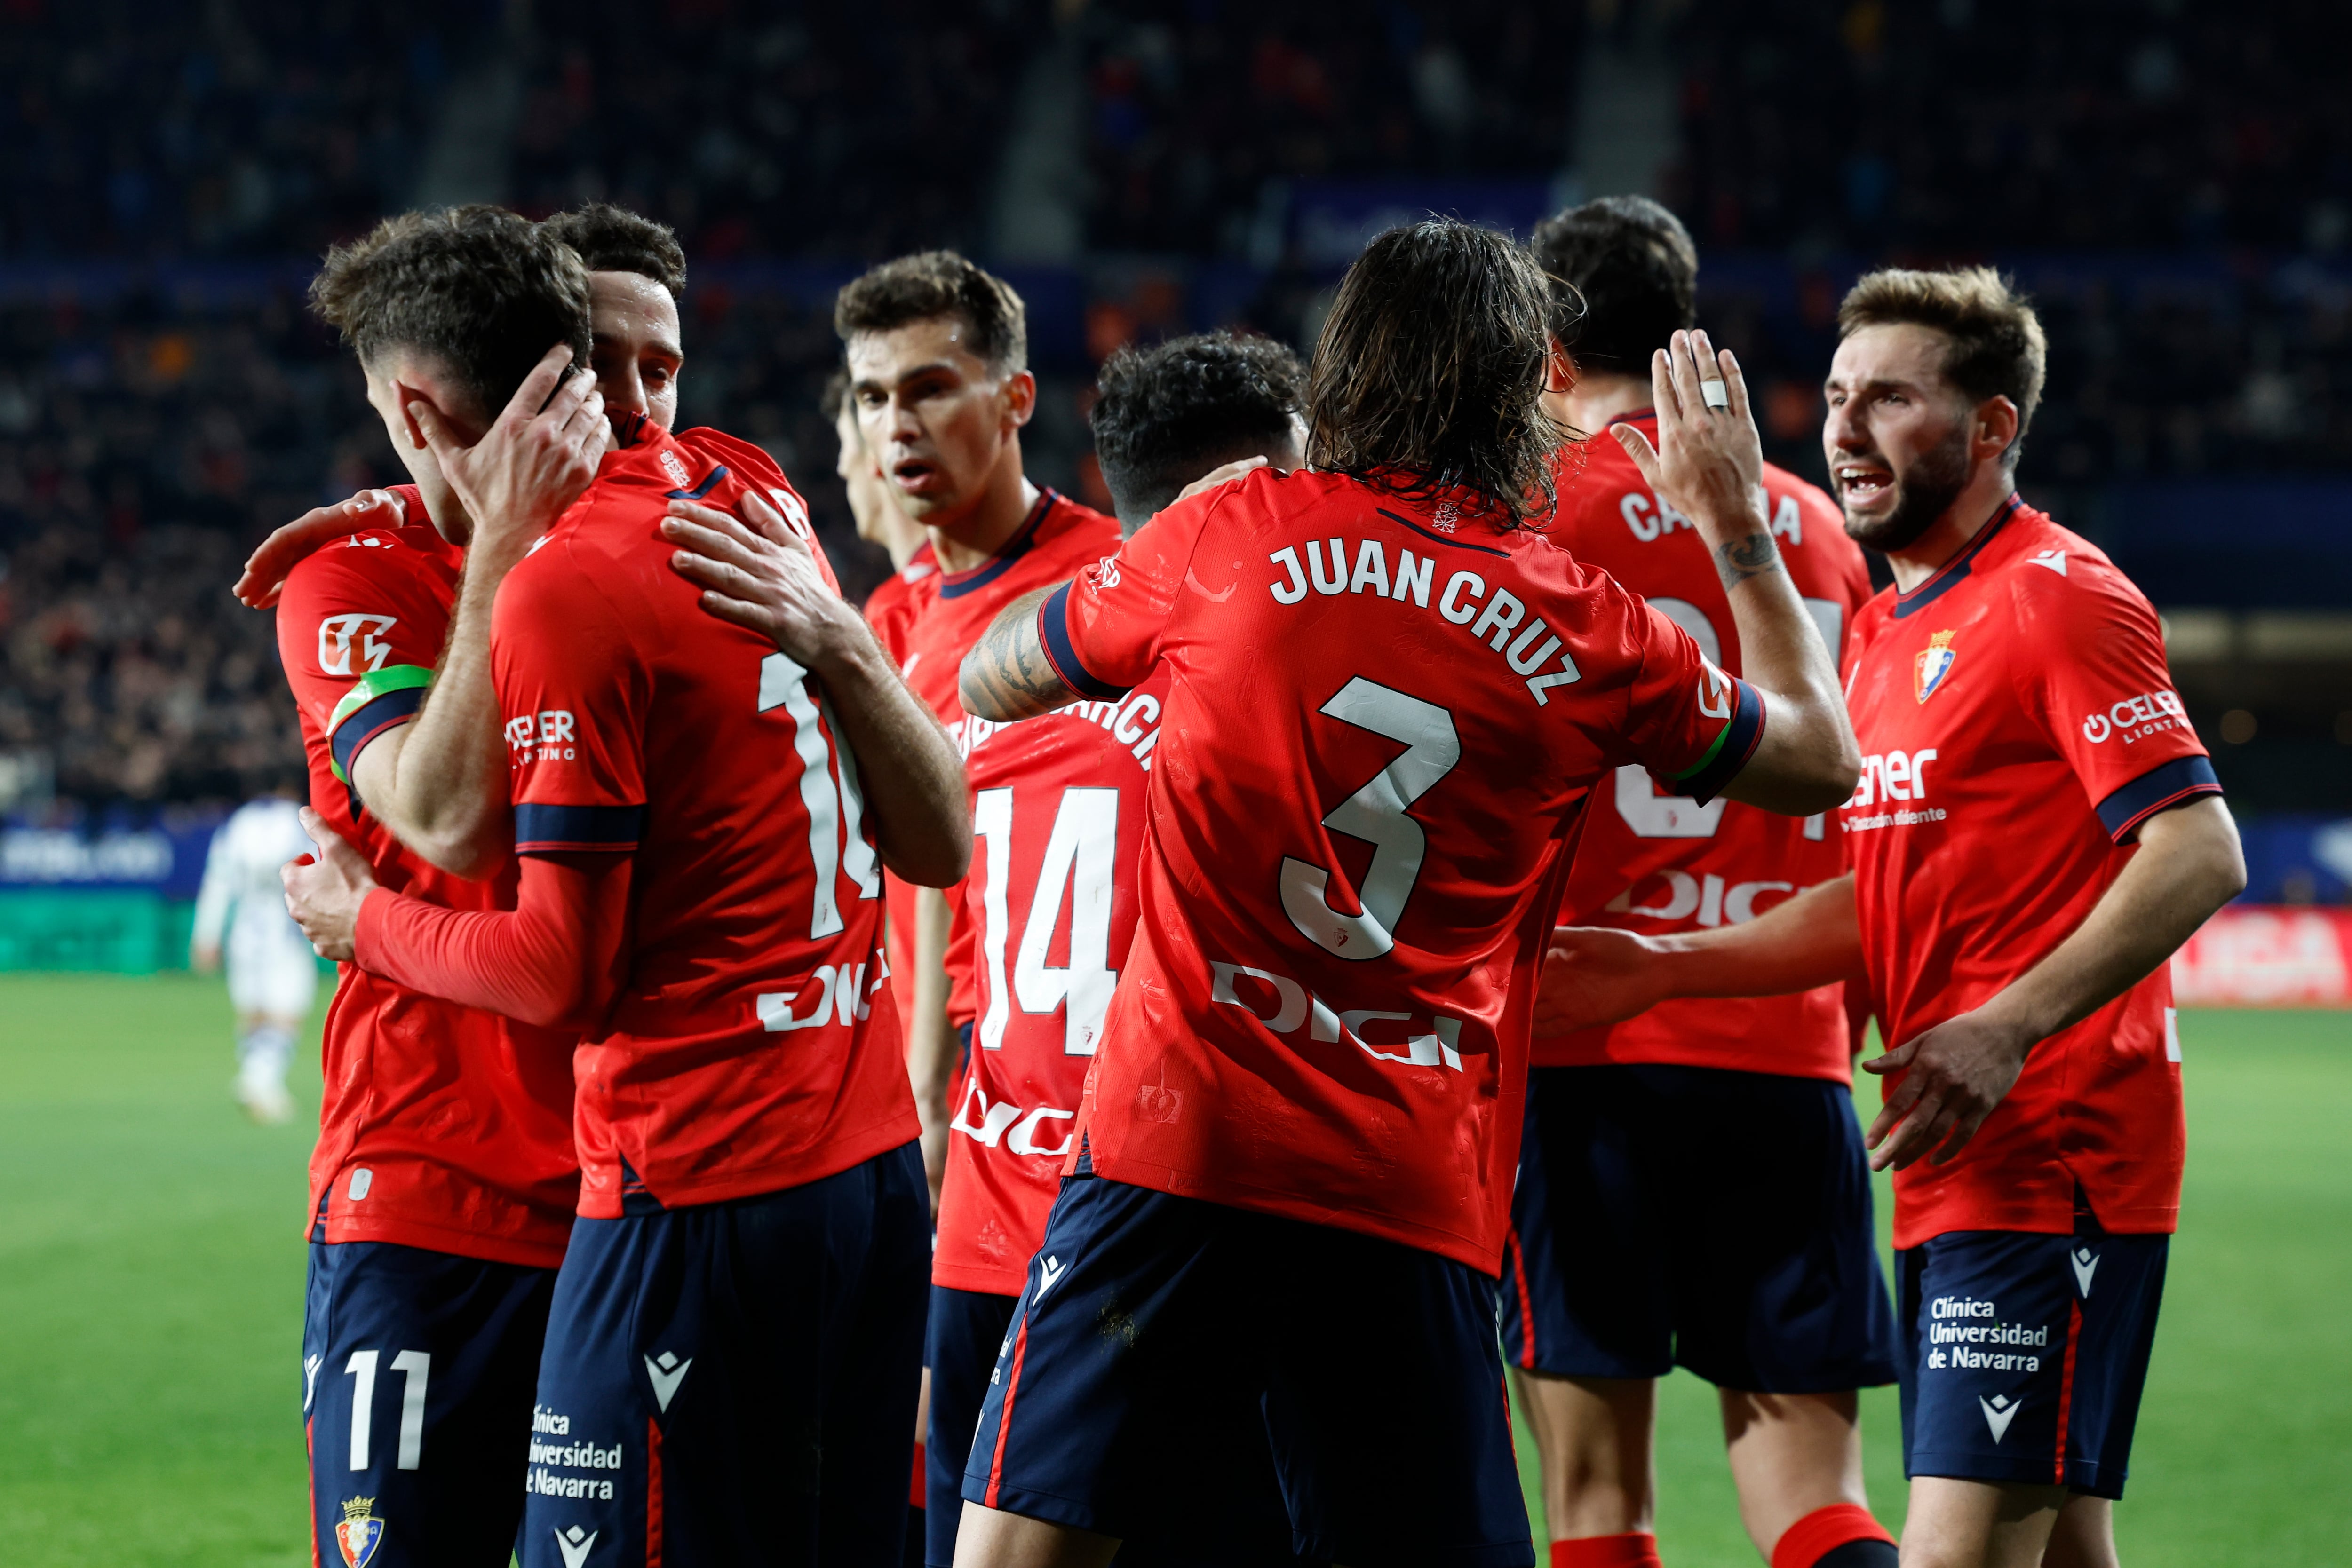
[(667, 1372), (2086, 1263), (575, 1543), (2000, 1411), (1050, 1274)]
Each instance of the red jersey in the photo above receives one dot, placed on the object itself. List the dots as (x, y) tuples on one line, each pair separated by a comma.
[(1057, 539), (889, 610), (2017, 724), (1657, 863), (444, 1127), (1057, 840), (902, 595), (1383, 719), (749, 1049)]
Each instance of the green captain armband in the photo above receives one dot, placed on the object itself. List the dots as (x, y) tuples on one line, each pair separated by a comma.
[(379, 700)]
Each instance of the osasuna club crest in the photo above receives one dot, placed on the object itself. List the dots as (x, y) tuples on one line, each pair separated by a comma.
[(1934, 662), (360, 1533)]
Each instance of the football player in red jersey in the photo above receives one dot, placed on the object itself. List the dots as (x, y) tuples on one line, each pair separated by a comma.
[(444, 1179), (1388, 702), (700, 849), (2037, 829), (1692, 1187), (874, 508), (1058, 810), (637, 274), (938, 355)]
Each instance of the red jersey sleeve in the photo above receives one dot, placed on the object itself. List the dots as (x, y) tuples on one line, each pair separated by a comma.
[(1104, 631), (2092, 672), (573, 690), (1691, 726), (359, 635)]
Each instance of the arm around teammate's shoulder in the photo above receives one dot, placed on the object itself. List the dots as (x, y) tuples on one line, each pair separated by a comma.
[(1709, 464), (764, 578)]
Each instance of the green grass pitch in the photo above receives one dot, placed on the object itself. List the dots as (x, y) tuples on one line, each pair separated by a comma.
[(150, 1292)]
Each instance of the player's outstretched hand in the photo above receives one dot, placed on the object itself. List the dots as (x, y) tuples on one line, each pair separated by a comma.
[(531, 464), (1708, 463), (1225, 473), (1953, 1077), (1594, 975), (324, 892), (267, 568), (762, 576)]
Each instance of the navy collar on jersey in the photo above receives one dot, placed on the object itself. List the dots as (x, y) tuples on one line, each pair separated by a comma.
[(956, 584), (1438, 539), (1960, 566)]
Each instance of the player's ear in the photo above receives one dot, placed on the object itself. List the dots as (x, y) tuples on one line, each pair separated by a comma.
[(404, 398), (1021, 397), (1996, 425)]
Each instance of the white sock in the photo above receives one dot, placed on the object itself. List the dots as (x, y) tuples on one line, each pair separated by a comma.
[(263, 1054)]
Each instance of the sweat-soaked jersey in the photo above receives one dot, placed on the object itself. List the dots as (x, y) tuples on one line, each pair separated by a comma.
[(1057, 840), (1657, 864), (443, 1127), (2018, 725), (753, 1046), (1384, 717)]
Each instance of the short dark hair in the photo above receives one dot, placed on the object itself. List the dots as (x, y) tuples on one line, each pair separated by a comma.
[(1997, 348), (1430, 370), (485, 291), (938, 283), (1166, 415), (1624, 279), (614, 239)]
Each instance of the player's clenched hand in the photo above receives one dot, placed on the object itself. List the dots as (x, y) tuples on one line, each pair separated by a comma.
[(323, 893), (1709, 460), (1593, 975), (1953, 1077), (762, 577), (534, 462), (267, 568)]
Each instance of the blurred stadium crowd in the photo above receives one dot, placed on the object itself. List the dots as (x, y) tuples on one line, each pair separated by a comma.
[(164, 398)]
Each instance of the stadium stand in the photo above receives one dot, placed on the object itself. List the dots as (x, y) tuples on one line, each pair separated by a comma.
[(165, 399)]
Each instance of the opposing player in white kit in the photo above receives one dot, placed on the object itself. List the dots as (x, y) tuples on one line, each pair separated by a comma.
[(273, 976)]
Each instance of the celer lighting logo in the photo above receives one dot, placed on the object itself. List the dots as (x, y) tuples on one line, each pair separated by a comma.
[(1999, 1411), (1934, 662), (360, 1533)]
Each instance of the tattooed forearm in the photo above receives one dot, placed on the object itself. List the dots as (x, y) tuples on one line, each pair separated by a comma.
[(1007, 675), (1751, 554)]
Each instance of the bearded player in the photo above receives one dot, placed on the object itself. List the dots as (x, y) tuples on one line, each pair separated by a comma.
[(938, 354), (636, 275), (701, 811), (444, 1179), (1388, 702), (1058, 813), (1692, 1187), (2037, 829)]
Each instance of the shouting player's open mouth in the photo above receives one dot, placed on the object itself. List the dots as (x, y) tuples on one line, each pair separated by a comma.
[(1862, 485)]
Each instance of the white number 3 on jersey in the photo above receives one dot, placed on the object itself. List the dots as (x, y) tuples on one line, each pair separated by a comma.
[(1375, 813)]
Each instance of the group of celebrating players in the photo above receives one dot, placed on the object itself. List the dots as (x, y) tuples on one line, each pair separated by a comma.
[(1169, 1009)]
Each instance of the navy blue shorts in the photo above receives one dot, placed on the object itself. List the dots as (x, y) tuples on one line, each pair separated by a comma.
[(735, 1382), (1159, 1336), (2024, 1355), (1236, 1515), (417, 1372), (1698, 1217)]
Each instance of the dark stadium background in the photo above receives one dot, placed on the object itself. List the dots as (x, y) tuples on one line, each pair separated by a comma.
[(2172, 181)]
